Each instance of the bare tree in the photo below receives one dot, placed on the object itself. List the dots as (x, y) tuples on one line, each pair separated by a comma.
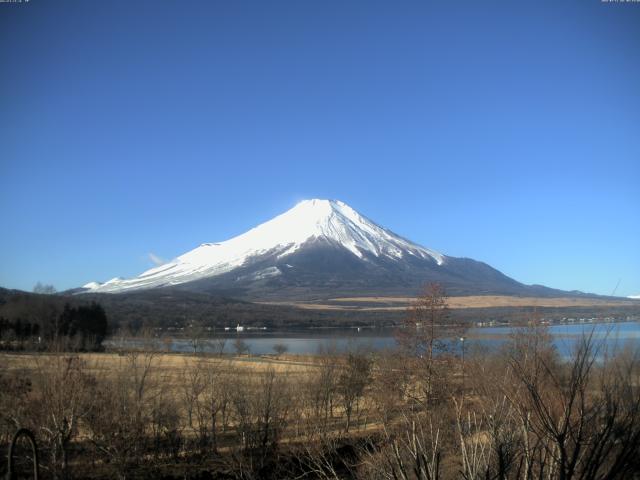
[(206, 398), (193, 386), (390, 381), (325, 459), (241, 346), (216, 399), (196, 334), (219, 345), (411, 449), (549, 419), (261, 411), (118, 426), (490, 438), (167, 343), (475, 450), (65, 393), (322, 389), (164, 424), (354, 377), (422, 335), (44, 288), (280, 349), (273, 404)]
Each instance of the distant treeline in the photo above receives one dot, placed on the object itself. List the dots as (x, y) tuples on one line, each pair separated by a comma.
[(174, 308), (34, 321), (30, 314)]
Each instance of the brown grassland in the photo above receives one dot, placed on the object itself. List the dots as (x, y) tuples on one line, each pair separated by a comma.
[(476, 301)]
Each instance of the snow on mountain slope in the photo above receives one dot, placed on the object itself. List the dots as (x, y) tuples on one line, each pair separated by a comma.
[(285, 234), (635, 297)]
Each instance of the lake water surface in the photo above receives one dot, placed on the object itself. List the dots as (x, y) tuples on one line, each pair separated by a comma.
[(565, 337)]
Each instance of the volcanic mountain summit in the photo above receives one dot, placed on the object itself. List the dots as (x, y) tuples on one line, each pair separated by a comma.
[(319, 248)]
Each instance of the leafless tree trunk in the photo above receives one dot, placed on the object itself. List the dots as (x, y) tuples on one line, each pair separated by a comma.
[(422, 337), (354, 378)]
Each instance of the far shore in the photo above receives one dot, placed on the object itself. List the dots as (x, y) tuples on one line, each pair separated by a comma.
[(466, 302)]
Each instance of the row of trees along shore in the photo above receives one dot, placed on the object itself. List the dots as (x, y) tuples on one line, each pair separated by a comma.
[(418, 412)]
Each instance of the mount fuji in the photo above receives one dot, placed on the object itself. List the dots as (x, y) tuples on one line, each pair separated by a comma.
[(319, 248)]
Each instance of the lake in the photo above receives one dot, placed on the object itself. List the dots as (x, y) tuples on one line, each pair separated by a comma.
[(565, 336)]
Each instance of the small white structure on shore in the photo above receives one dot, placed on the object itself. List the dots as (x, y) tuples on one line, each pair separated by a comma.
[(239, 328)]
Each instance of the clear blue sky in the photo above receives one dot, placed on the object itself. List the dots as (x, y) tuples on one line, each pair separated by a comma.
[(504, 131)]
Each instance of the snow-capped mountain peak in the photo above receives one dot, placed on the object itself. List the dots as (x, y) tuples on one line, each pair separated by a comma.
[(330, 221)]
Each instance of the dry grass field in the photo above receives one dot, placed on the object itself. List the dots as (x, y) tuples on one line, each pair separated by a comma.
[(476, 301), (150, 414), (167, 365)]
